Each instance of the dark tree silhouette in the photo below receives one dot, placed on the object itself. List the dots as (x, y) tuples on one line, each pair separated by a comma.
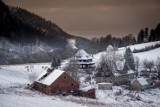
[(129, 59), (140, 36), (55, 62)]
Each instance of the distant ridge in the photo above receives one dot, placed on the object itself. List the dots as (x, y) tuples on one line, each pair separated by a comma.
[(21, 26)]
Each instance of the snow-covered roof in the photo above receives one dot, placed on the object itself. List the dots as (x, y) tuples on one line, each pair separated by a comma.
[(41, 75), (87, 88), (81, 54), (109, 48), (50, 78), (142, 81), (120, 64), (130, 72), (116, 74), (105, 83)]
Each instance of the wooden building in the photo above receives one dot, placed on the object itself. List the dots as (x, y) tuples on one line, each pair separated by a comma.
[(121, 74), (56, 82), (139, 84), (83, 60)]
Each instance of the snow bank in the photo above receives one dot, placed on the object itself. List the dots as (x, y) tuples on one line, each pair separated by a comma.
[(143, 45), (151, 55)]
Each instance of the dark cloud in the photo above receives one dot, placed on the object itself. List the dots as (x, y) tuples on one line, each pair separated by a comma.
[(96, 17)]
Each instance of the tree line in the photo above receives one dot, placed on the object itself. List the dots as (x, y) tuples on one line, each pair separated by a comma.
[(100, 44), (149, 35), (144, 35)]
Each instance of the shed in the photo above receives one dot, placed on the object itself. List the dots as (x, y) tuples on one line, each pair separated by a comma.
[(105, 86), (56, 81), (139, 84)]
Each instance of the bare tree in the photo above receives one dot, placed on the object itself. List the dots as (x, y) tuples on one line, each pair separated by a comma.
[(32, 77), (105, 66), (72, 69)]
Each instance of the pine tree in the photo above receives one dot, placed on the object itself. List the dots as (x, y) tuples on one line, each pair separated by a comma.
[(146, 32), (55, 62), (129, 59), (152, 35), (140, 36), (157, 32)]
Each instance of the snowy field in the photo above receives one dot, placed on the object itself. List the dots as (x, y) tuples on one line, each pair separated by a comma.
[(14, 80), (151, 55), (13, 83)]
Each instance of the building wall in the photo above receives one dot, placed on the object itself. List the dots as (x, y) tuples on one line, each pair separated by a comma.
[(40, 87), (90, 93), (64, 84), (121, 80), (136, 85), (105, 86)]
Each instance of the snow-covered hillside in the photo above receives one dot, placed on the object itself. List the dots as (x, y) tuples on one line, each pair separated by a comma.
[(17, 50), (14, 75), (150, 55)]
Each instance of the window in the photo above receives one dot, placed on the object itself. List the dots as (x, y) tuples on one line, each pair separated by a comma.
[(90, 60), (72, 84), (65, 77)]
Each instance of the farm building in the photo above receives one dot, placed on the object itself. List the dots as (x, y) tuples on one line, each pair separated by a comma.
[(139, 84), (56, 82), (121, 74)]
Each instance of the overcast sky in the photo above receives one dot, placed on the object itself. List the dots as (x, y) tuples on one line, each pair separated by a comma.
[(93, 18)]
